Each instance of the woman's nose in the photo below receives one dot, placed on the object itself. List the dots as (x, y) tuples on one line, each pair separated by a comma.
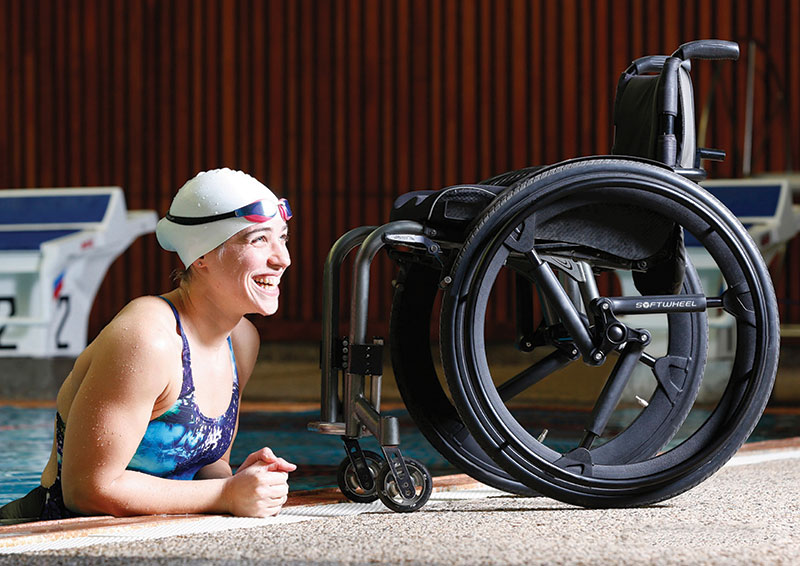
[(280, 256)]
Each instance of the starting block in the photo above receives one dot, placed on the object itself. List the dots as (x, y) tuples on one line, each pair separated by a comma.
[(765, 207), (56, 246)]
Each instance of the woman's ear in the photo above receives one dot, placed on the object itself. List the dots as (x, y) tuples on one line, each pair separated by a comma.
[(200, 262)]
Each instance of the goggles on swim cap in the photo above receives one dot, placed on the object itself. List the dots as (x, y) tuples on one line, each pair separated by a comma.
[(253, 212)]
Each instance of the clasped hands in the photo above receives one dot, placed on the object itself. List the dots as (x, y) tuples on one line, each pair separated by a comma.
[(259, 487)]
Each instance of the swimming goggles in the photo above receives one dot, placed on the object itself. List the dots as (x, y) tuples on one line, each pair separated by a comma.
[(254, 212)]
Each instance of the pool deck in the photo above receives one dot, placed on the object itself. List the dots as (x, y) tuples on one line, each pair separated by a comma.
[(747, 513)]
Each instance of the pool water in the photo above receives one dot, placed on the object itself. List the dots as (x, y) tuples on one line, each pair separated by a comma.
[(26, 435)]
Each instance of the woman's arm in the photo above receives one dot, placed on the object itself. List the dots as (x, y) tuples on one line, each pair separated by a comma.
[(246, 343), (108, 417)]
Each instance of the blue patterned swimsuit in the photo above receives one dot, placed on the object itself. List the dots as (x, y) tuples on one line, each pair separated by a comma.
[(176, 444)]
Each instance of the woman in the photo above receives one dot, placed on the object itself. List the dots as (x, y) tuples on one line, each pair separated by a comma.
[(154, 399)]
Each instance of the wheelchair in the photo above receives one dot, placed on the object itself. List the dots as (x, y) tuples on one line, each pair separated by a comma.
[(552, 248)]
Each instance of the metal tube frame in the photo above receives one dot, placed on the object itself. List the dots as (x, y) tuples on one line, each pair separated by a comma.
[(330, 319), (356, 410)]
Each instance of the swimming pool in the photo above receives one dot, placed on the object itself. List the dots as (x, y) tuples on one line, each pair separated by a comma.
[(26, 436)]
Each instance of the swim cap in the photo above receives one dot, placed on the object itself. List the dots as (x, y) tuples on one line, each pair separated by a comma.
[(212, 207)]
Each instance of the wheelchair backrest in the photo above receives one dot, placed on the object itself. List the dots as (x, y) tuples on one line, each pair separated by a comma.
[(654, 113), (637, 115)]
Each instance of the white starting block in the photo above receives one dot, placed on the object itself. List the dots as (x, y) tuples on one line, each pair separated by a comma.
[(765, 208), (56, 246)]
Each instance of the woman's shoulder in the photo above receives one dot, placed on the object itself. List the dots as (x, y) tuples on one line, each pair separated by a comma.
[(246, 332), (146, 321), (130, 355)]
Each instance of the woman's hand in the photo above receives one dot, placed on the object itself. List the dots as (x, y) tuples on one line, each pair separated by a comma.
[(257, 490), (266, 456)]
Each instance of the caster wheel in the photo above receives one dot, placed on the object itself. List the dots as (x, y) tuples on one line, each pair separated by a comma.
[(389, 493), (348, 480)]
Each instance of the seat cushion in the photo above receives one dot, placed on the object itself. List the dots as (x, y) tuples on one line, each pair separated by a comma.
[(450, 209)]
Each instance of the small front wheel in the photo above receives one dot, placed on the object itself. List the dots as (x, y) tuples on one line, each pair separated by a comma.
[(390, 495), (347, 479)]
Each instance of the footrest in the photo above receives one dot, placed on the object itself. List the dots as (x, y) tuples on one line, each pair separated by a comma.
[(327, 428)]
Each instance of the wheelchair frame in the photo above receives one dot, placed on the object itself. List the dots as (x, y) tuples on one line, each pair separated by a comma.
[(404, 484)]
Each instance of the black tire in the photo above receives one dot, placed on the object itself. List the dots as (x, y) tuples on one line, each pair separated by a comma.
[(390, 495), (419, 384), (348, 482), (630, 474)]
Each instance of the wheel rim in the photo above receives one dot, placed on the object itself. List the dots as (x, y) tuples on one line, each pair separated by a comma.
[(391, 490), (350, 479), (530, 461)]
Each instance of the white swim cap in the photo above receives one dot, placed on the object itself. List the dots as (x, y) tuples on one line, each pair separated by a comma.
[(212, 207)]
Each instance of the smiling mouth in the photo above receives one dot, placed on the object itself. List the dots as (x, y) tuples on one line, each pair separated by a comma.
[(269, 283)]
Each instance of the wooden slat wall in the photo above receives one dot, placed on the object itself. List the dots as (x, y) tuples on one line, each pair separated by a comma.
[(342, 105)]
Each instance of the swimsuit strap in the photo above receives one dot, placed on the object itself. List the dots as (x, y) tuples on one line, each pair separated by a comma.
[(233, 363), (186, 358)]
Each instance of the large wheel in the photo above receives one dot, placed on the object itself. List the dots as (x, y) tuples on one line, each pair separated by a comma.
[(648, 459), (434, 414), (419, 383)]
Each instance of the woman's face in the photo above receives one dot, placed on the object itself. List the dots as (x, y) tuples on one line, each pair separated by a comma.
[(250, 264)]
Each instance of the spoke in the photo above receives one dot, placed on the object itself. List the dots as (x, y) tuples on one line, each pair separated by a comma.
[(736, 301), (648, 360), (533, 375), (524, 310), (612, 392), (553, 293)]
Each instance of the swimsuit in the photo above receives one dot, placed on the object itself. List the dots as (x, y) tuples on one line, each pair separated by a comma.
[(183, 440), (175, 445)]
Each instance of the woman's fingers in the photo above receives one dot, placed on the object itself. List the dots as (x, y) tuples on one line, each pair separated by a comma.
[(281, 465), (263, 455)]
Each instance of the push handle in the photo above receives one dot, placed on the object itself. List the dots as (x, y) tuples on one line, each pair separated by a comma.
[(715, 49)]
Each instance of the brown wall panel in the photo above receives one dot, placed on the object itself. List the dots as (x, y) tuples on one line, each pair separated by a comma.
[(341, 105)]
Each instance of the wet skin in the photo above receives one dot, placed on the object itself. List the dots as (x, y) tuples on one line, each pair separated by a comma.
[(132, 373)]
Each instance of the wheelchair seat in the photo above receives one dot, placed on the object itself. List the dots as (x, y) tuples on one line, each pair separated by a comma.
[(448, 211), (640, 238)]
